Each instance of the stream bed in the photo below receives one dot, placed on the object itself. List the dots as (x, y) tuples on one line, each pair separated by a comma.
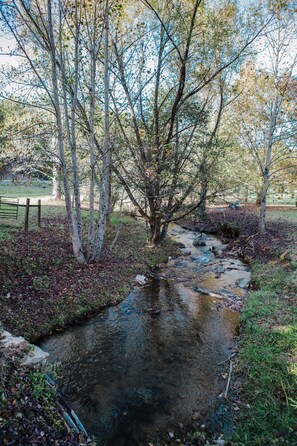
[(151, 362)]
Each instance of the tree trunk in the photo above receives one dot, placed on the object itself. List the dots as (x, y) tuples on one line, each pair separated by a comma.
[(201, 211), (74, 232), (246, 194), (164, 231), (106, 169), (92, 159), (57, 182), (262, 218), (155, 228), (258, 198)]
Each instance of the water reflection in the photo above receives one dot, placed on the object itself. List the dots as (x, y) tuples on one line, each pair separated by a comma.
[(144, 365)]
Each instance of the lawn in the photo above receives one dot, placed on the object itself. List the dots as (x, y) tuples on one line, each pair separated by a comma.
[(288, 215), (36, 189)]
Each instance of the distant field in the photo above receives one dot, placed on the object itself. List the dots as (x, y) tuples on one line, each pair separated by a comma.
[(36, 189), (273, 198), (287, 215), (282, 199)]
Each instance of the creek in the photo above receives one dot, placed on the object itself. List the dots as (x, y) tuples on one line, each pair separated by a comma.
[(148, 364)]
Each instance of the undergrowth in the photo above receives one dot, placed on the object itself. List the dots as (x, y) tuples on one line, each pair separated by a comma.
[(28, 408)]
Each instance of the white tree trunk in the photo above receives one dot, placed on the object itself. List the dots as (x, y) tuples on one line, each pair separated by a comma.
[(105, 177), (266, 168), (76, 241), (57, 182), (93, 57)]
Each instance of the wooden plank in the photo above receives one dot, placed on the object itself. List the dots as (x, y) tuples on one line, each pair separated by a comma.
[(39, 214), (27, 215)]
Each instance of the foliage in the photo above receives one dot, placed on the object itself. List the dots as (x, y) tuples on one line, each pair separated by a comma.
[(173, 80), (24, 142), (60, 48), (264, 114)]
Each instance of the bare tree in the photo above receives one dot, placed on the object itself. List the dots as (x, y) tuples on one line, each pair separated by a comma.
[(160, 75), (66, 37), (265, 117)]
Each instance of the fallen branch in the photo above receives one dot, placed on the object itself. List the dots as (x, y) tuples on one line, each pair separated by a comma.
[(227, 359), (210, 293), (229, 379)]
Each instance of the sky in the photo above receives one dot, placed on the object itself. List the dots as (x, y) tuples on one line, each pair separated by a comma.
[(7, 44)]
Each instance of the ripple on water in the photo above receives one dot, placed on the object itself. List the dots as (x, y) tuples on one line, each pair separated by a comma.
[(146, 364)]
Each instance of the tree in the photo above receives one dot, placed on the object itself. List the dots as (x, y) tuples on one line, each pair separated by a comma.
[(160, 100), (61, 42), (264, 112), (24, 141)]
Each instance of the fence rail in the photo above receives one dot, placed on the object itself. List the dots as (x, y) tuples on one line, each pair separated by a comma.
[(9, 208)]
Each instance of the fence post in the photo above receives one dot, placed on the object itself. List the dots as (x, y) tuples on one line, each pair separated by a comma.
[(39, 214), (27, 214)]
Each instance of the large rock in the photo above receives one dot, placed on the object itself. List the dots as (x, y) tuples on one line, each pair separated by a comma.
[(198, 242), (186, 252), (33, 355), (36, 356), (140, 279)]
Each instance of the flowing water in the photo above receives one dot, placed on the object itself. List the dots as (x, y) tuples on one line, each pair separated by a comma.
[(152, 361)]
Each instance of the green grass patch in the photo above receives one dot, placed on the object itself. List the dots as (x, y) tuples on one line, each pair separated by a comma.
[(268, 346), (8, 225), (288, 216), (26, 190)]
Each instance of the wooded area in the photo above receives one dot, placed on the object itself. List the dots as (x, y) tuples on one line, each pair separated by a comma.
[(165, 103)]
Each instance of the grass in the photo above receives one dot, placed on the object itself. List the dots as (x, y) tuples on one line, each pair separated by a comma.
[(36, 189), (267, 359), (289, 216), (9, 225)]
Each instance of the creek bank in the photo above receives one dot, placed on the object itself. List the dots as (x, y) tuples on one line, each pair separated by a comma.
[(44, 289), (29, 413), (260, 403), (239, 230)]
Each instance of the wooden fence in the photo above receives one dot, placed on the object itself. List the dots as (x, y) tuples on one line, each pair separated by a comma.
[(9, 208)]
